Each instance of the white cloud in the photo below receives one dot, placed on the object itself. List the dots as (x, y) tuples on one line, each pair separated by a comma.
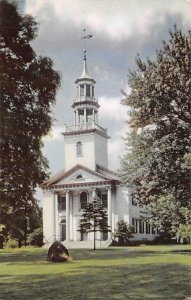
[(118, 19), (112, 109), (54, 135), (116, 147)]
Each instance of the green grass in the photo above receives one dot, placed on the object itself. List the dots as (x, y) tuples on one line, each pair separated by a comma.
[(146, 272)]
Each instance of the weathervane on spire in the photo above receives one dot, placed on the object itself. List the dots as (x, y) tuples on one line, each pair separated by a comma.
[(85, 37), (88, 36)]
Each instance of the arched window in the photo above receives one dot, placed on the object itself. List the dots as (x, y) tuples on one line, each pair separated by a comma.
[(83, 200), (79, 149), (79, 176)]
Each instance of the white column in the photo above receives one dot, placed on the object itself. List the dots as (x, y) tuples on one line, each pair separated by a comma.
[(94, 115), (71, 237), (57, 237), (67, 215), (85, 90), (85, 115), (94, 193), (75, 227), (48, 216), (109, 203), (75, 117)]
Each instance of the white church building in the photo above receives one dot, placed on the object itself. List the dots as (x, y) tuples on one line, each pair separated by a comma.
[(85, 175)]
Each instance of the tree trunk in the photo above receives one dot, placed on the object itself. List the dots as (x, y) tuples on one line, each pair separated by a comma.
[(94, 237), (19, 243)]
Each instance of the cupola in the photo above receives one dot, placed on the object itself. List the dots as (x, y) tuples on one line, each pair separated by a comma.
[(85, 105)]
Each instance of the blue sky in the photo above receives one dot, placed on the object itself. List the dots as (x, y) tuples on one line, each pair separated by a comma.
[(120, 29)]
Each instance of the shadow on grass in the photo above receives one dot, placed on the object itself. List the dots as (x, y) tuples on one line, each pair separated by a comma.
[(23, 256), (137, 282), (84, 254)]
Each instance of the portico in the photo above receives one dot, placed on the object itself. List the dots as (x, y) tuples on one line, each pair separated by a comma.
[(69, 201)]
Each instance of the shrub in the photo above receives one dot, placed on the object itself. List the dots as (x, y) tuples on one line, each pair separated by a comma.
[(12, 244), (123, 233), (36, 237)]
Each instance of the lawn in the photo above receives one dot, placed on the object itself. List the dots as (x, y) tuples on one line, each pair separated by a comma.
[(145, 272)]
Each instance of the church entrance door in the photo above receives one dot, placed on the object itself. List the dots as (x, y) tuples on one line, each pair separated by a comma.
[(63, 230)]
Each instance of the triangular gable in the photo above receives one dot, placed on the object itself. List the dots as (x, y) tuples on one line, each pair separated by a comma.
[(77, 174)]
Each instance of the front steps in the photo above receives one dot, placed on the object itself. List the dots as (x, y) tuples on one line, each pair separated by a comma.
[(87, 244)]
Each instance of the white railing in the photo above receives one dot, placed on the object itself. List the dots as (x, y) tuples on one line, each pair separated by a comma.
[(86, 98), (84, 126)]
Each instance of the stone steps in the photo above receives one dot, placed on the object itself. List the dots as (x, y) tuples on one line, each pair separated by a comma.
[(86, 244)]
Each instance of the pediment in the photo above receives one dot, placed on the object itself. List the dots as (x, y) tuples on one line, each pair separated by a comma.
[(76, 175)]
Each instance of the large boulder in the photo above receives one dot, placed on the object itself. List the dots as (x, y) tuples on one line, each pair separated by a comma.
[(57, 252)]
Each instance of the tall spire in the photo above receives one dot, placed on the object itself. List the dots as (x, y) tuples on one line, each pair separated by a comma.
[(85, 69)]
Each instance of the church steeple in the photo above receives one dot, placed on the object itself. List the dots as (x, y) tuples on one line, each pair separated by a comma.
[(85, 105), (85, 69), (86, 140)]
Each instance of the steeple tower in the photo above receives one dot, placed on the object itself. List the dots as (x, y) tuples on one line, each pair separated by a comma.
[(85, 141), (85, 105)]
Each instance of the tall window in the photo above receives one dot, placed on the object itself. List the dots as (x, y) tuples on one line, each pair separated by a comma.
[(141, 226), (153, 230), (79, 149), (135, 224), (103, 197), (148, 228), (83, 200), (61, 203)]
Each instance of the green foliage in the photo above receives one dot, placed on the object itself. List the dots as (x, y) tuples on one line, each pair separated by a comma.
[(123, 233), (28, 88), (167, 214), (184, 232), (11, 243), (157, 160), (35, 238), (94, 218)]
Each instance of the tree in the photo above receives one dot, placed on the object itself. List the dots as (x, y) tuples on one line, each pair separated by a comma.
[(28, 89), (94, 218), (20, 228), (123, 233), (184, 230), (157, 160), (35, 238)]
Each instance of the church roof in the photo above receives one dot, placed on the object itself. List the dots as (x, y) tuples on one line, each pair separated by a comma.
[(107, 172), (101, 174)]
